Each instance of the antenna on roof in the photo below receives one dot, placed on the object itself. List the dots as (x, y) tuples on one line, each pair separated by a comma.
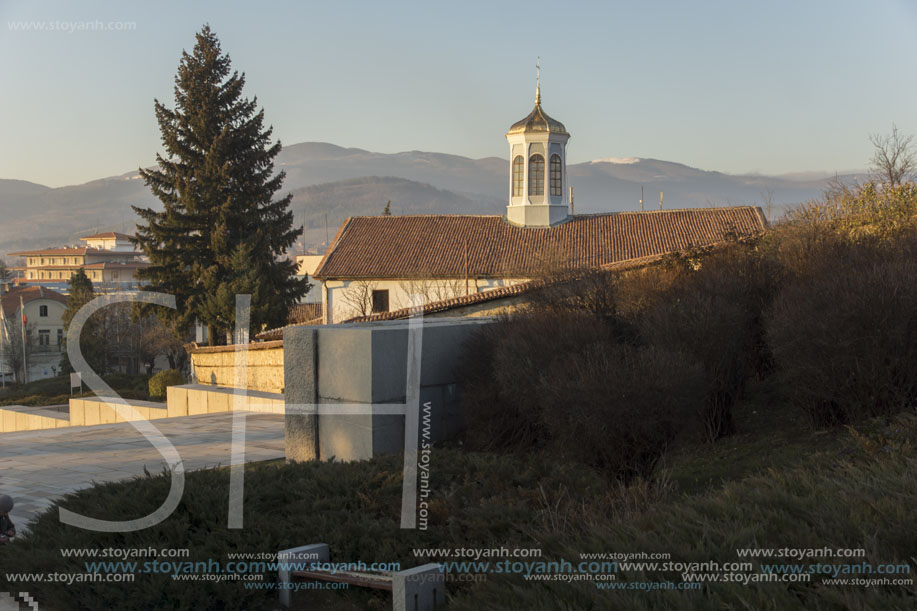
[(538, 82)]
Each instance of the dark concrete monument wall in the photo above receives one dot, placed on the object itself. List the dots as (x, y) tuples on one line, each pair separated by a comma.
[(363, 368)]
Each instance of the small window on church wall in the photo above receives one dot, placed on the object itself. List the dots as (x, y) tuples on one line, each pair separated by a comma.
[(557, 181), (518, 170), (536, 175), (380, 301)]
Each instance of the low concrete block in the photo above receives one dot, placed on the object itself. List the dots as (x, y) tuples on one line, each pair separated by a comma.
[(91, 413), (107, 413), (264, 402), (218, 401), (317, 552), (77, 413), (7, 421), (177, 401), (419, 589), (197, 401)]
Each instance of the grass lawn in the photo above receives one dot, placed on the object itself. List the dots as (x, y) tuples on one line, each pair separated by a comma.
[(771, 435), (776, 484)]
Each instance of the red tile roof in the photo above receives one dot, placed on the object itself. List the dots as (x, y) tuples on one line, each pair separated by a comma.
[(55, 251), (10, 301), (102, 265), (83, 250), (438, 245), (108, 235)]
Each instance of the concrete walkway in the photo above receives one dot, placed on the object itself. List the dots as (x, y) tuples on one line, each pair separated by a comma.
[(37, 467)]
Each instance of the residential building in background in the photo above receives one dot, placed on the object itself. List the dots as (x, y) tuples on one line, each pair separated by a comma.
[(109, 260), (306, 266), (42, 309)]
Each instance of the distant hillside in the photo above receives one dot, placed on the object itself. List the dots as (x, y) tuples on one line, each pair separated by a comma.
[(367, 196), (339, 182)]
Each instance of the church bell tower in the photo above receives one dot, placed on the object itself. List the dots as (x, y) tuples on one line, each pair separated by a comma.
[(538, 169)]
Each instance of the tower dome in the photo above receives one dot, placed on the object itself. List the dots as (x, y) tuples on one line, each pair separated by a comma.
[(538, 169), (537, 120)]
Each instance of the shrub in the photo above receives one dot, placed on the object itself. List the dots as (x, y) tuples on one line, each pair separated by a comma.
[(845, 334), (714, 313), (501, 374), (562, 382), (162, 380), (617, 407)]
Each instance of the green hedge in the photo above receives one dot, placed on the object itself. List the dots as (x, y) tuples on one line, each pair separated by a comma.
[(162, 380)]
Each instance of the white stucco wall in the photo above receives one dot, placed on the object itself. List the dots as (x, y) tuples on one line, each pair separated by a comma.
[(400, 291)]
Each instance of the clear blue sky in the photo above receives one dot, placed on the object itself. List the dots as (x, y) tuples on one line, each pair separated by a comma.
[(771, 87)]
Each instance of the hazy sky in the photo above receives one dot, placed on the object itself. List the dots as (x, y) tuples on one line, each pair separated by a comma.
[(770, 87)]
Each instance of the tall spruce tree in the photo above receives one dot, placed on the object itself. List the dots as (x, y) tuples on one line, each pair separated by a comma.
[(220, 232)]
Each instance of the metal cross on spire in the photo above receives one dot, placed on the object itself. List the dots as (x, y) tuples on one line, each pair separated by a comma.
[(538, 81)]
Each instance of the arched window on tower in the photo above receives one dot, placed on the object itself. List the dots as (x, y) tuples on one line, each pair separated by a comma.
[(536, 175), (557, 180), (518, 171)]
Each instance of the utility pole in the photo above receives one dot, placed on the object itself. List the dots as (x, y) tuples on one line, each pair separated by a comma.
[(466, 267), (660, 200), (641, 198)]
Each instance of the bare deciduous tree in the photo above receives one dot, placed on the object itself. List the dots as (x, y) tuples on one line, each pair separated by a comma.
[(893, 160), (358, 297), (427, 290), (11, 329)]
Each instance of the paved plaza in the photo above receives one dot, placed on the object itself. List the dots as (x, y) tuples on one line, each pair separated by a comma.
[(37, 467)]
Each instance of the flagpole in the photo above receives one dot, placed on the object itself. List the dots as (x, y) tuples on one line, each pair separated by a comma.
[(25, 362), (2, 362)]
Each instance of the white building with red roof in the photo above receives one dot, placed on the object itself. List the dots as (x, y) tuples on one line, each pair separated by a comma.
[(380, 264), (42, 311)]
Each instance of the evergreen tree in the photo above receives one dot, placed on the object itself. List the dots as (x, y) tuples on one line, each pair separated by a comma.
[(387, 211), (217, 185), (5, 273)]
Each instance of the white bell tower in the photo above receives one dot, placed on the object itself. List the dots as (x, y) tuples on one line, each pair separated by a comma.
[(537, 168)]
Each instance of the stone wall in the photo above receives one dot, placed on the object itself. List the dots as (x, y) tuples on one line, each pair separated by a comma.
[(216, 366)]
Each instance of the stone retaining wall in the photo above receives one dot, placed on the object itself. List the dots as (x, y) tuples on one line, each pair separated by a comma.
[(216, 366)]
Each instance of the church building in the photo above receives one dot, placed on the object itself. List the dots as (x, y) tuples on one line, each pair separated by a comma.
[(379, 264)]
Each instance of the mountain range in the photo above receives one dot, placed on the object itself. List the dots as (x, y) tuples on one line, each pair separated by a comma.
[(330, 183)]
